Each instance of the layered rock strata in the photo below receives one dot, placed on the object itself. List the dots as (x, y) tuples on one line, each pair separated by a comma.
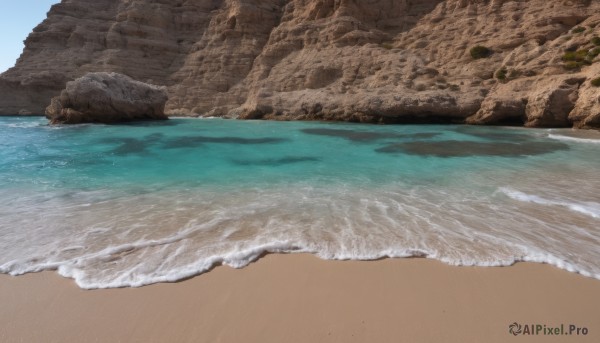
[(370, 61)]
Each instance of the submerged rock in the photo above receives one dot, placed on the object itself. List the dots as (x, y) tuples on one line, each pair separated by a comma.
[(453, 148), (107, 98)]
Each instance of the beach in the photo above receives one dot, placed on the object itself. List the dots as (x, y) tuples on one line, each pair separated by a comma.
[(300, 298), (231, 231), (300, 171)]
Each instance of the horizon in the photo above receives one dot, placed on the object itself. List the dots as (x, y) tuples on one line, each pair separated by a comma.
[(19, 19)]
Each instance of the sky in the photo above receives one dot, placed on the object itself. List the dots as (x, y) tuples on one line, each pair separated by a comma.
[(17, 20)]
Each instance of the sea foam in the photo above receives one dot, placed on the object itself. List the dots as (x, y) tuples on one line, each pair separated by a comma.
[(591, 209), (574, 139), (127, 206)]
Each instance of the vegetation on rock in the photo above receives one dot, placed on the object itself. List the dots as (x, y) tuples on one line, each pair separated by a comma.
[(387, 46), (573, 65), (501, 74), (479, 52), (577, 59), (579, 55)]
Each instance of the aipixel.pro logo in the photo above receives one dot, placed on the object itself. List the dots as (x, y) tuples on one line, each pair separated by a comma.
[(517, 329)]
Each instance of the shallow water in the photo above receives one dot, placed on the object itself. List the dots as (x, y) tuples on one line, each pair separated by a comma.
[(130, 205)]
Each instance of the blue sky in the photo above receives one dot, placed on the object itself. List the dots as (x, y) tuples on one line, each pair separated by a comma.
[(17, 19)]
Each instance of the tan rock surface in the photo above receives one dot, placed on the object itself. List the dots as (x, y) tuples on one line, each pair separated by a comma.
[(107, 98), (381, 60), (586, 113), (544, 101)]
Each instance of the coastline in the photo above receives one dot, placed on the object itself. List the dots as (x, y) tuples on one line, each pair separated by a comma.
[(582, 131), (300, 298)]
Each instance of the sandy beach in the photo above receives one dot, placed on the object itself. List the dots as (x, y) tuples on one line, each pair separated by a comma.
[(300, 298)]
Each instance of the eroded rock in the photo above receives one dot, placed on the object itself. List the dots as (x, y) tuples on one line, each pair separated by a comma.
[(107, 98), (586, 114), (534, 102), (375, 61)]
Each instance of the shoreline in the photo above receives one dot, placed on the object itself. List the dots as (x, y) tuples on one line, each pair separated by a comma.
[(448, 123), (300, 298)]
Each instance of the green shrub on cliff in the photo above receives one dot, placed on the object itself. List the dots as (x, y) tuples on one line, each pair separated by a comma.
[(387, 46), (596, 40), (478, 52), (577, 59), (569, 56), (572, 65), (578, 56), (596, 82), (578, 29), (501, 74)]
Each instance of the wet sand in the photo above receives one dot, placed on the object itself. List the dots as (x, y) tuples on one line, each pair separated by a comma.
[(300, 298)]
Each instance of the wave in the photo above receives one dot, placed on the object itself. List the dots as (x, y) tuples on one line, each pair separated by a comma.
[(137, 240), (591, 209), (132, 221), (240, 259), (574, 139), (25, 125)]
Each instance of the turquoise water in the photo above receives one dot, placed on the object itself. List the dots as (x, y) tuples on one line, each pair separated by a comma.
[(129, 205)]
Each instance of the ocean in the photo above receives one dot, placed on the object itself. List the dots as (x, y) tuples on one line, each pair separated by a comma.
[(135, 204)]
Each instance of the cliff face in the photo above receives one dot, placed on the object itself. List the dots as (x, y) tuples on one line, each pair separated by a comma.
[(378, 60)]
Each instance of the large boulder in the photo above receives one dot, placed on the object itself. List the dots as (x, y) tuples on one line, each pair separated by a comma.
[(107, 98)]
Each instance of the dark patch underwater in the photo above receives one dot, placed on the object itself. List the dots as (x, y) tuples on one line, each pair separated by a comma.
[(489, 134), (453, 148), (127, 146), (193, 141), (366, 136), (274, 162)]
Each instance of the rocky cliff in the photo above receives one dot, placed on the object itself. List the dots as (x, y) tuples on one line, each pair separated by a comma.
[(373, 61)]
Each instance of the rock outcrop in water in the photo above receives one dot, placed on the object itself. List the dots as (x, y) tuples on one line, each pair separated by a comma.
[(375, 61), (107, 98)]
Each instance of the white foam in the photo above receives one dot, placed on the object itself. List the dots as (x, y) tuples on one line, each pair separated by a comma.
[(574, 139), (136, 240), (23, 125), (196, 117), (591, 209), (234, 259), (240, 259)]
